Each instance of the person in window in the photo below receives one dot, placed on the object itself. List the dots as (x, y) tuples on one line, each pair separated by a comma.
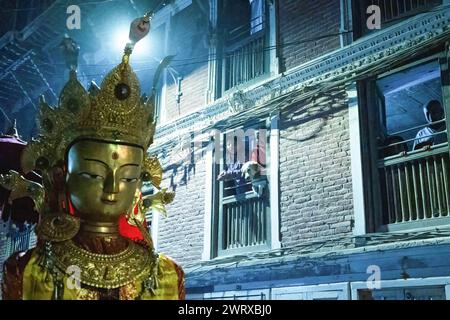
[(429, 136), (241, 173), (254, 169), (233, 169), (393, 145)]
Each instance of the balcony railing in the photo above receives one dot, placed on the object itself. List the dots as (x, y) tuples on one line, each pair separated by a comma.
[(243, 223), (415, 188), (245, 60)]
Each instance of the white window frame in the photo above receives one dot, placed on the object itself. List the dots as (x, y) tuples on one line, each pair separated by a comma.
[(356, 161), (346, 37), (274, 162)]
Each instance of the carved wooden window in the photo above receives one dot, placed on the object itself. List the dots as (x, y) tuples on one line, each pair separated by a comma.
[(241, 217), (244, 24), (407, 185)]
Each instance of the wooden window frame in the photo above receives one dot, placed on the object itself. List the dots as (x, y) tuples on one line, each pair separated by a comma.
[(369, 151)]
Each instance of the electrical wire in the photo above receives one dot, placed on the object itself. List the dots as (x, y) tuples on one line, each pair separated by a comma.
[(211, 58)]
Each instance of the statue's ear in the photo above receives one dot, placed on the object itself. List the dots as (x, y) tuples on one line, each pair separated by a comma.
[(152, 171), (145, 176)]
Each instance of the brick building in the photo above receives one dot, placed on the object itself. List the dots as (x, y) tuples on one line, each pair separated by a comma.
[(338, 208), (344, 202)]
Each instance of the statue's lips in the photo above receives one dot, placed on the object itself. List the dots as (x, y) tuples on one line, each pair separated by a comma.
[(109, 202)]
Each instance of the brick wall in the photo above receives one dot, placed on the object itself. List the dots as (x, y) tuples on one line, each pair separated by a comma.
[(180, 235), (315, 182), (315, 173), (193, 88), (302, 20), (188, 41)]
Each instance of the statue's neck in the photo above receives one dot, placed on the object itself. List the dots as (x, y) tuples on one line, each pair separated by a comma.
[(103, 229), (100, 237)]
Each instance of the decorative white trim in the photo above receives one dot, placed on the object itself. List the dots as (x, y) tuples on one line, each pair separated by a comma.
[(274, 63), (346, 36), (207, 224), (274, 145), (211, 91), (400, 283), (356, 162)]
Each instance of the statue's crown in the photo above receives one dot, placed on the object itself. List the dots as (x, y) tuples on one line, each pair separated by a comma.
[(115, 112)]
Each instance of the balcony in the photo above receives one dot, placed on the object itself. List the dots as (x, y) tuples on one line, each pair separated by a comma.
[(245, 60), (415, 189), (244, 223)]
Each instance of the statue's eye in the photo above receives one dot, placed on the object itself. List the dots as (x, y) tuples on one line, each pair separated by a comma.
[(129, 180), (92, 176)]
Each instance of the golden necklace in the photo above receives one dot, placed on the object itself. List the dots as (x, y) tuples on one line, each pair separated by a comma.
[(107, 271)]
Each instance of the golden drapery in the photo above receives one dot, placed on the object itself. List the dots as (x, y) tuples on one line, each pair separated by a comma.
[(37, 284)]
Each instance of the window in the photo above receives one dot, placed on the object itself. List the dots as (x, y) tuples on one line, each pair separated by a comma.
[(405, 139), (241, 211), (245, 56), (392, 11)]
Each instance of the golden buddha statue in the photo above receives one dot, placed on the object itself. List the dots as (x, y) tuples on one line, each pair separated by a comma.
[(93, 160)]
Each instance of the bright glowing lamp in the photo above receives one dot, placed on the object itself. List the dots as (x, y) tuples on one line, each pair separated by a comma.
[(141, 49), (121, 38)]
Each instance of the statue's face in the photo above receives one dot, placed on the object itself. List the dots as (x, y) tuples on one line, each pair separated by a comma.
[(102, 178)]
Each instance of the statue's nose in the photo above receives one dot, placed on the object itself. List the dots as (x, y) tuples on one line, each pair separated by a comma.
[(109, 198), (111, 185)]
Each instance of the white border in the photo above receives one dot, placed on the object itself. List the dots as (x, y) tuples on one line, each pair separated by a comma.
[(356, 161), (207, 235), (274, 145)]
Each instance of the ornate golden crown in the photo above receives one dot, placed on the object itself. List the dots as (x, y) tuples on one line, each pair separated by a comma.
[(115, 112)]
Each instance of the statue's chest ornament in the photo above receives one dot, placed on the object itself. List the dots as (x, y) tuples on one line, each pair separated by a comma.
[(105, 270)]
